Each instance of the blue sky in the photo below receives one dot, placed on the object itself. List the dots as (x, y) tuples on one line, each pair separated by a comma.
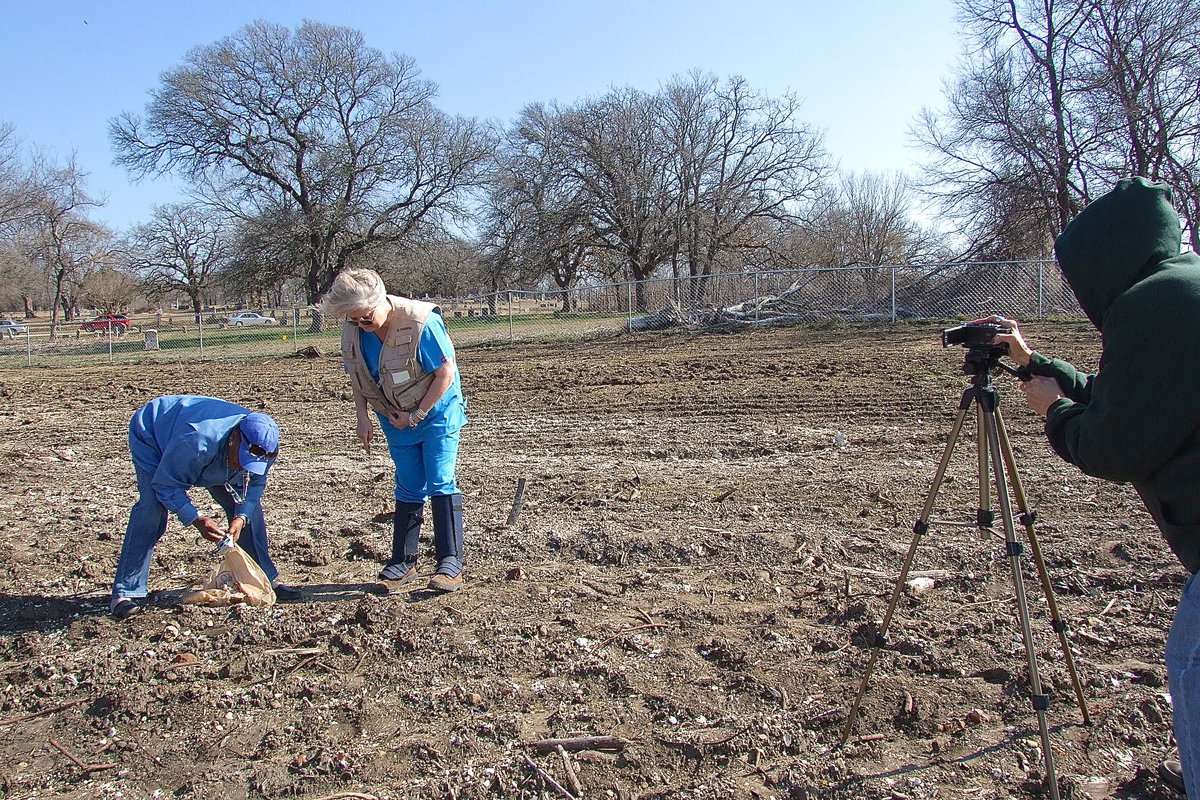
[(862, 68)]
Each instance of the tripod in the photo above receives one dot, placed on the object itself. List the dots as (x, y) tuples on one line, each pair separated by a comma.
[(995, 458)]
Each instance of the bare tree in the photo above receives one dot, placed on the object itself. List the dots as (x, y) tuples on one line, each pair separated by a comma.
[(110, 289), (178, 251), (1057, 97), (311, 123), (615, 156), (739, 158), (1145, 98), (871, 223), (66, 244), (538, 220)]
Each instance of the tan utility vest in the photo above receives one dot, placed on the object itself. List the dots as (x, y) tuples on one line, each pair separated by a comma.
[(402, 382)]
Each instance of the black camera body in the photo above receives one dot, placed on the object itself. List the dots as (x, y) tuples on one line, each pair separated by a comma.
[(974, 334), (983, 352)]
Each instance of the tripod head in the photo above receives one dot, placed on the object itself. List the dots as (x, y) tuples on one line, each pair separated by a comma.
[(981, 360)]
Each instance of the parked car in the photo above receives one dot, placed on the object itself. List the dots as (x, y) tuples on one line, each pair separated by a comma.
[(249, 318), (11, 329), (118, 323)]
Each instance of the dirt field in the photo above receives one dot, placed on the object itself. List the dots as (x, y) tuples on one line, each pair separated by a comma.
[(711, 530)]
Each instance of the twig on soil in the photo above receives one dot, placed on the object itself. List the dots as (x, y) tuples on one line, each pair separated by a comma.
[(1091, 639), (644, 616), (724, 495), (348, 796), (595, 587), (297, 651), (992, 602), (728, 738), (578, 743), (546, 777), (180, 665), (621, 633), (85, 767), (572, 776), (518, 501), (823, 715), (28, 717)]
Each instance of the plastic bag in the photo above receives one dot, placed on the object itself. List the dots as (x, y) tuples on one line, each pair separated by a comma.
[(237, 579)]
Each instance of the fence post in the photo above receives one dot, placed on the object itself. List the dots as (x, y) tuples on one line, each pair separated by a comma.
[(28, 348), (757, 296), (110, 329), (200, 332), (629, 306), (893, 295), (1041, 311), (510, 315), (295, 329)]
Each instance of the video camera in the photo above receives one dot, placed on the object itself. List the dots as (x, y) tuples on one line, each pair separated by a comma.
[(983, 352), (974, 334)]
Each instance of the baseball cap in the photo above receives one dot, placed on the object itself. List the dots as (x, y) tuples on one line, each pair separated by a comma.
[(260, 443)]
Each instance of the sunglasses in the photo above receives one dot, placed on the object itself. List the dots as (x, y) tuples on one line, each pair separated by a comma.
[(362, 321), (258, 451)]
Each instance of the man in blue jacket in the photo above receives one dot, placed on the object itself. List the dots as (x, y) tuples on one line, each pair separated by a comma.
[(181, 441)]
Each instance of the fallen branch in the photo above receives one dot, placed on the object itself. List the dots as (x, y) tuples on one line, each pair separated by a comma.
[(85, 767), (28, 717), (546, 777), (348, 796), (572, 777), (621, 633), (578, 743)]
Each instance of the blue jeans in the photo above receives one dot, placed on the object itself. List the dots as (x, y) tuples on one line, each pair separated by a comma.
[(147, 524), (1183, 674)]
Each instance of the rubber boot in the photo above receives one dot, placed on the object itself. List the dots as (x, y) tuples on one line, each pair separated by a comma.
[(401, 568), (447, 542)]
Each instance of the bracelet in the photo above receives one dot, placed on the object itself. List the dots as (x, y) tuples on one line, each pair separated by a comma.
[(418, 414)]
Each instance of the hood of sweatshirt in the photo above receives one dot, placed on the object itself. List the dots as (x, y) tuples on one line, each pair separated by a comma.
[(1118, 239)]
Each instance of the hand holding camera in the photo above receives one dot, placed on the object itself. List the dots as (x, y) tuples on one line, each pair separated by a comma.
[(1009, 334), (1040, 391)]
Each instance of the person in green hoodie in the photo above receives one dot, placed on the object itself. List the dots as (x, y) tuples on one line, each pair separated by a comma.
[(1137, 419)]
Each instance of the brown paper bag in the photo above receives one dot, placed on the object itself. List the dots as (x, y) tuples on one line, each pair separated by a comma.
[(237, 579)]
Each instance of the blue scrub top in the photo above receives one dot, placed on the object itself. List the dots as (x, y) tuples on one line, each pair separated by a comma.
[(434, 350)]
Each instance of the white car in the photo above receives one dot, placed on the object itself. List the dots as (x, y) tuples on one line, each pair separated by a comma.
[(11, 329), (249, 318)]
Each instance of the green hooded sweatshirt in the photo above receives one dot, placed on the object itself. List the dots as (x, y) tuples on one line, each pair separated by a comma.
[(1137, 420)]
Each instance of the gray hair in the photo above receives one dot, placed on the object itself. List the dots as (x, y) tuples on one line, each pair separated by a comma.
[(354, 290)]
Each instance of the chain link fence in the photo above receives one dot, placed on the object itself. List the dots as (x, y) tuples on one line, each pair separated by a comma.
[(1025, 290)]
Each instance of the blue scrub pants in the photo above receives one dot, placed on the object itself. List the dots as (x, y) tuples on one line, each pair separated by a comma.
[(423, 468), (148, 522)]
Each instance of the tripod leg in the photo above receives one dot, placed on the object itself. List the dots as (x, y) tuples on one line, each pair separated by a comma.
[(1040, 701), (1027, 518), (985, 517), (919, 530)]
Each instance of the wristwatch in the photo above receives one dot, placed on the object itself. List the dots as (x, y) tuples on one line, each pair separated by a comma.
[(415, 416)]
